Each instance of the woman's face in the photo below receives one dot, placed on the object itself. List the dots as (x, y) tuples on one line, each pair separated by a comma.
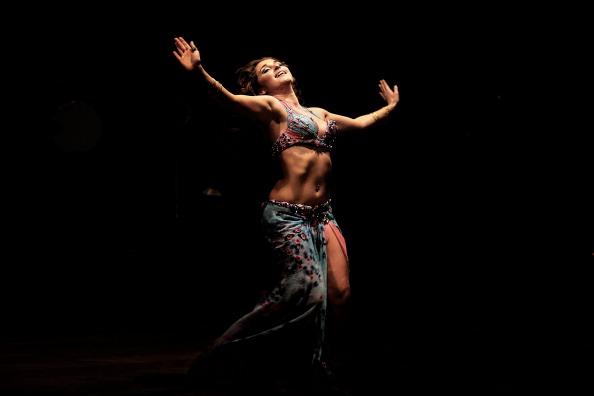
[(272, 76)]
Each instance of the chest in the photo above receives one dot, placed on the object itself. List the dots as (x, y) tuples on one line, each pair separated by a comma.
[(307, 125)]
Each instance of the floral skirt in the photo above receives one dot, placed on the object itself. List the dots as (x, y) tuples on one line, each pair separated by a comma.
[(285, 329)]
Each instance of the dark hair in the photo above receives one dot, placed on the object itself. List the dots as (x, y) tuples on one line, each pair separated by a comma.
[(247, 78)]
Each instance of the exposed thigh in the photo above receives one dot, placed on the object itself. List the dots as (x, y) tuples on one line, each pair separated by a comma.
[(338, 262)]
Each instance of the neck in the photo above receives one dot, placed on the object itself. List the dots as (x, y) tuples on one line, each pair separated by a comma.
[(289, 98)]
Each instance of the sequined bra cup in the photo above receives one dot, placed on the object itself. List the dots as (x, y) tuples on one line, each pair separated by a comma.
[(303, 131)]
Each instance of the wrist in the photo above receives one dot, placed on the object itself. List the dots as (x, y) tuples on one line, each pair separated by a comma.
[(388, 109)]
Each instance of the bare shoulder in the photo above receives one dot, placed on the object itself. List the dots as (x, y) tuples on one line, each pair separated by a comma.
[(273, 103), (269, 109), (262, 107)]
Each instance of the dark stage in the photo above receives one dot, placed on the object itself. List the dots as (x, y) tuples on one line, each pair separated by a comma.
[(132, 233), (385, 360)]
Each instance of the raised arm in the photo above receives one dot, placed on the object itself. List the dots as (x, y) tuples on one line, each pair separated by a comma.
[(255, 107), (390, 95)]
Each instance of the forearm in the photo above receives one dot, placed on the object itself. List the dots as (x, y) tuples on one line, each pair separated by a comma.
[(247, 106), (376, 117), (212, 87), (382, 114), (205, 80)]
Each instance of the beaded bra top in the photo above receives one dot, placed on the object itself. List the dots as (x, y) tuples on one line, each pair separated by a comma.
[(303, 131)]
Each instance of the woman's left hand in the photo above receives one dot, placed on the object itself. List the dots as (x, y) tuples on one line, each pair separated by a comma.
[(391, 96)]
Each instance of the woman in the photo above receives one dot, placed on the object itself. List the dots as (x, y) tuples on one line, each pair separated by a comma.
[(310, 260)]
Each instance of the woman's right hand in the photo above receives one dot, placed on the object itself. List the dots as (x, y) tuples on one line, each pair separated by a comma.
[(187, 54)]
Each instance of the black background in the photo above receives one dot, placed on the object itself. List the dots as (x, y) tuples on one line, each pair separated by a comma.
[(464, 213)]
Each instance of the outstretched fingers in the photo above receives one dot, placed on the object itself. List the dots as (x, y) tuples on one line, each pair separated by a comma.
[(180, 42), (181, 45), (384, 86), (384, 90), (387, 93)]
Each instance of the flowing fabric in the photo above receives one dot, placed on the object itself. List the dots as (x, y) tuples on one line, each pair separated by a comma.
[(296, 301)]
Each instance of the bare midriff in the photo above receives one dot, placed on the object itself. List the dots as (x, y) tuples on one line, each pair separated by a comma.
[(306, 176)]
